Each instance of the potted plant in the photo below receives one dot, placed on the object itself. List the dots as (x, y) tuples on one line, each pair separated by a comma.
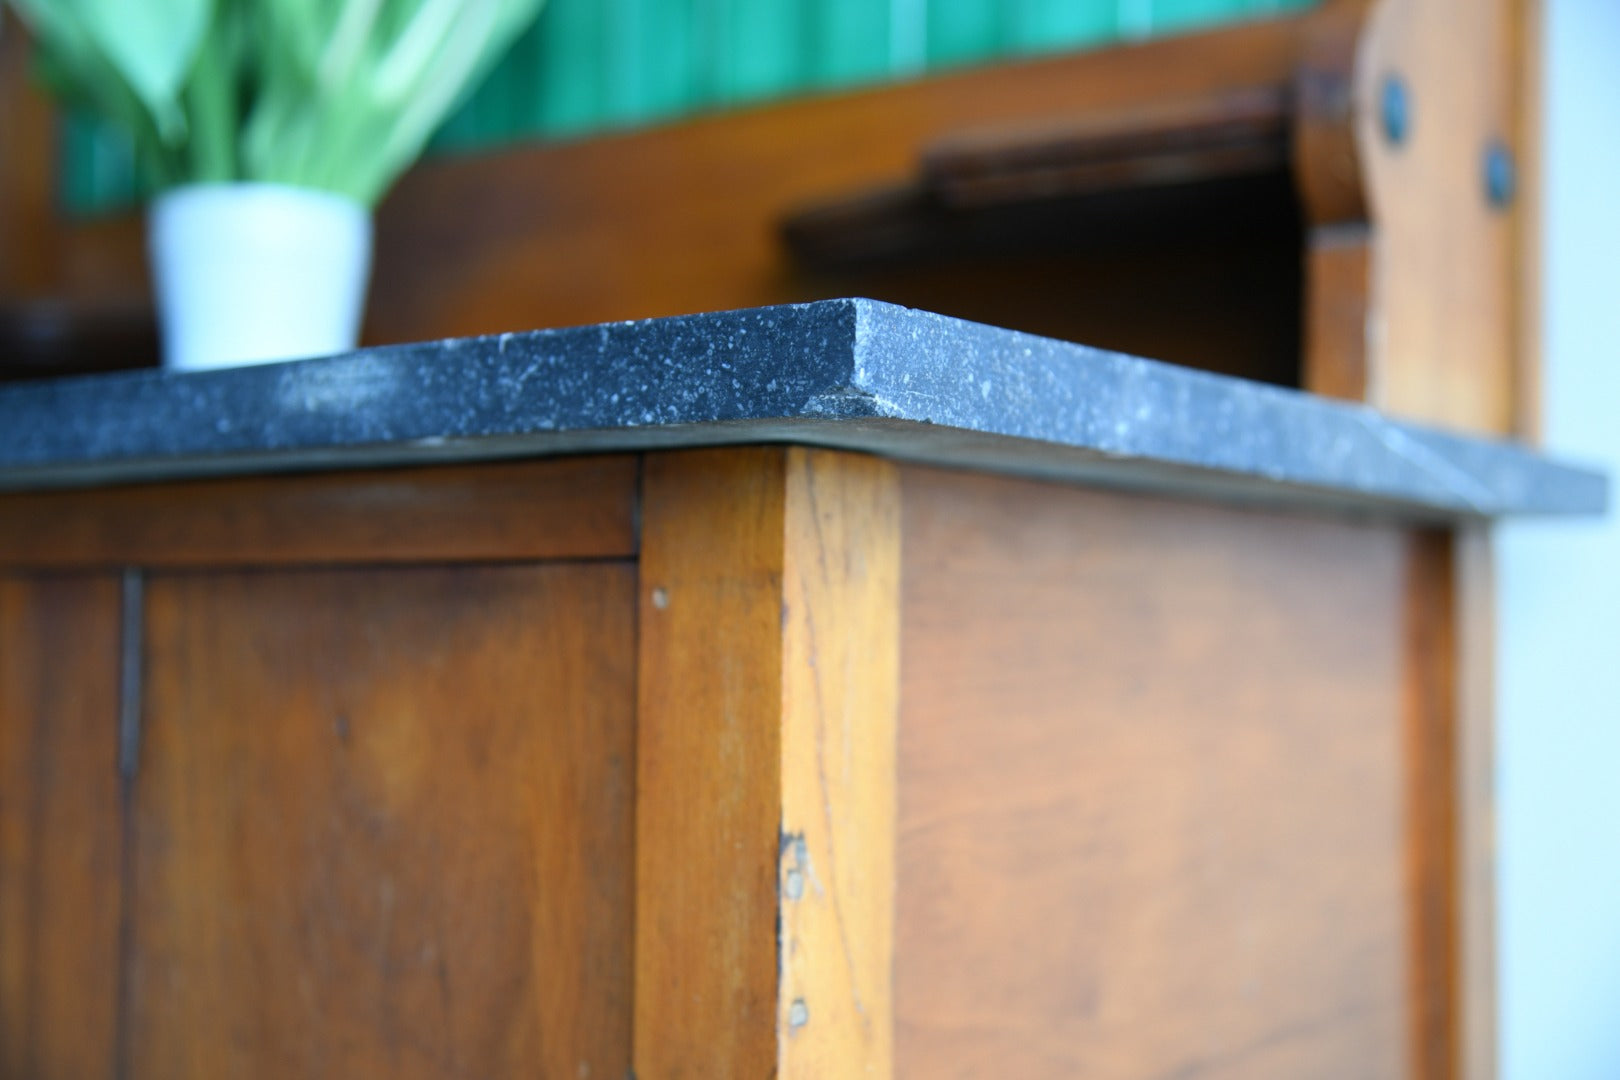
[(267, 129)]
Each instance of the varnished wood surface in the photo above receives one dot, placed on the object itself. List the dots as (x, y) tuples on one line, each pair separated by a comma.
[(1238, 133), (1182, 790), (61, 841), (1337, 265), (1528, 243), (840, 705), (1325, 159), (1451, 827), (765, 804), (582, 507), (382, 824), (28, 254), (1433, 811), (684, 218), (708, 790), (1474, 639), (1152, 789), (1445, 289)]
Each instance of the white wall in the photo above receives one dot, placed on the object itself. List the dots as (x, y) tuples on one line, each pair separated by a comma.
[(1559, 606)]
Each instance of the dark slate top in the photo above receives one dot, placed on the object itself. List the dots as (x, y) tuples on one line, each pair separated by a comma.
[(855, 374)]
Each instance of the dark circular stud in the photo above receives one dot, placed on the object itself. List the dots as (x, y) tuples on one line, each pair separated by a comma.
[(1501, 175), (1395, 109)]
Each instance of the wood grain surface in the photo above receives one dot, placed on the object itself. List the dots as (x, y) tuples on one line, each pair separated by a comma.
[(1152, 789), (1087, 784), (1338, 265), (765, 800), (581, 507), (1445, 289), (840, 706), (708, 788), (584, 232), (383, 824), (61, 840), (29, 256), (1474, 990), (1451, 818), (1433, 811), (1202, 138)]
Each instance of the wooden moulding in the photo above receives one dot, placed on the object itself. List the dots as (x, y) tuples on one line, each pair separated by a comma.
[(1450, 804), (1474, 750), (1432, 731), (1399, 223), (765, 799), (1180, 786), (575, 508), (1236, 133), (1447, 292), (1336, 268)]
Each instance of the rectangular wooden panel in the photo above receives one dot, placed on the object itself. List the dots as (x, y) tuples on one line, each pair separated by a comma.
[(383, 824), (582, 507), (61, 843), (1153, 789)]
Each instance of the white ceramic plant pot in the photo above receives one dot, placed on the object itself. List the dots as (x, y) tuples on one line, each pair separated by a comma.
[(250, 273)]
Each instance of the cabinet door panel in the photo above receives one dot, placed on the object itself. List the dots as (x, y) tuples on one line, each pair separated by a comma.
[(60, 834), (383, 824)]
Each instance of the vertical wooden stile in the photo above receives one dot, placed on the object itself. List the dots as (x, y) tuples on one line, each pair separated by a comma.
[(765, 801), (1475, 750), (840, 702)]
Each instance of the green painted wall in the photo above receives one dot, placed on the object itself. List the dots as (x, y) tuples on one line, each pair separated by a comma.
[(590, 65)]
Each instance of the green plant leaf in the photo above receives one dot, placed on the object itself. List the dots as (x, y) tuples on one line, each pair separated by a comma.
[(211, 97), (153, 44), (340, 95), (377, 74), (149, 44), (425, 84), (71, 63)]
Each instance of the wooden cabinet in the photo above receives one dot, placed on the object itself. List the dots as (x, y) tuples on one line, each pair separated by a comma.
[(732, 762)]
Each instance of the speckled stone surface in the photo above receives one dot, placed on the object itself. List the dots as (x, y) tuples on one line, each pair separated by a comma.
[(848, 373)]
